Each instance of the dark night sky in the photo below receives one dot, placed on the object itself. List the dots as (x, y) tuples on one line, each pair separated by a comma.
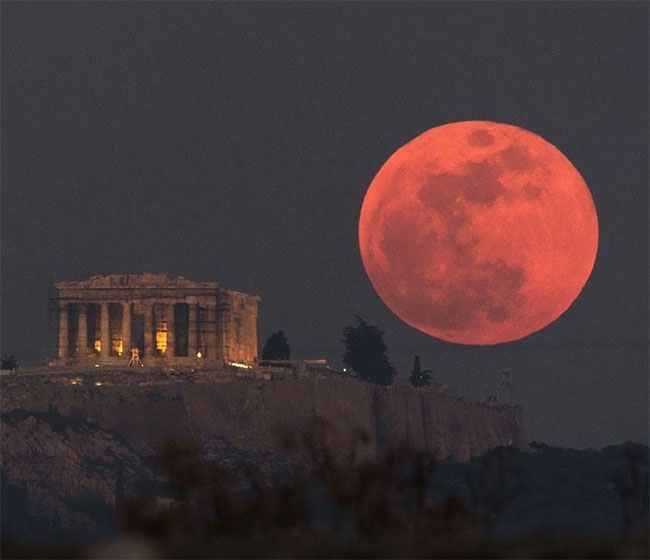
[(235, 142)]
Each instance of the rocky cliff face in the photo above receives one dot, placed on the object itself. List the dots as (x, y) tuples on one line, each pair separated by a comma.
[(252, 414), (75, 442), (64, 476)]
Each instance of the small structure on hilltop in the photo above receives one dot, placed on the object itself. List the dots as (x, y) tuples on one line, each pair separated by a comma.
[(505, 387), (503, 398), (107, 320)]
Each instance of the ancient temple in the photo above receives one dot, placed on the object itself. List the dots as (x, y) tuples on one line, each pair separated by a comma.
[(107, 320)]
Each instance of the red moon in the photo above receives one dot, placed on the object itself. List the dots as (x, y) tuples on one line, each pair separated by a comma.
[(478, 233)]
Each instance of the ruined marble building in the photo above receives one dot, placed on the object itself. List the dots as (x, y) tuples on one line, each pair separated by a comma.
[(162, 320)]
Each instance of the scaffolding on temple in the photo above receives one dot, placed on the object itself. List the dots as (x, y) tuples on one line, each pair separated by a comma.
[(135, 358)]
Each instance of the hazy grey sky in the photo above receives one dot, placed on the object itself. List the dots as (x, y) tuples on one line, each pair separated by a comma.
[(235, 141)]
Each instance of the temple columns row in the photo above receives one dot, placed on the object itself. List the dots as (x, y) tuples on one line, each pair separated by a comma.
[(209, 341)]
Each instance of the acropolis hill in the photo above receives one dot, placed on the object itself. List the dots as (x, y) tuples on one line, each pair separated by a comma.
[(252, 408), (196, 374), (76, 440)]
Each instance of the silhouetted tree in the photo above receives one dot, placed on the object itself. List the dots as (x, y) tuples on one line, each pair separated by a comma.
[(9, 362), (419, 378), (276, 347), (365, 353)]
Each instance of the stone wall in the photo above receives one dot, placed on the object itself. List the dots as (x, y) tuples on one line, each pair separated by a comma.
[(146, 407)]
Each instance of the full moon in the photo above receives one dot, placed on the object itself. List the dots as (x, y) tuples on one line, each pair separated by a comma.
[(478, 233)]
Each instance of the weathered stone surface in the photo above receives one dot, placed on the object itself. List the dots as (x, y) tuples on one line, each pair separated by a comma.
[(167, 320), (64, 476), (75, 442), (146, 407)]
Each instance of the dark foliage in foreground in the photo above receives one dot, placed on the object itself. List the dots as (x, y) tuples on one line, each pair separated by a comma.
[(326, 505), (547, 503), (349, 507)]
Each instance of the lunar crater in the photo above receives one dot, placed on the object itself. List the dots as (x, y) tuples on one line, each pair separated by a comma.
[(516, 158), (480, 137), (477, 183), (531, 192)]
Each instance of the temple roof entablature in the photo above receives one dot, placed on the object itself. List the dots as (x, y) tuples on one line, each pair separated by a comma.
[(146, 286)]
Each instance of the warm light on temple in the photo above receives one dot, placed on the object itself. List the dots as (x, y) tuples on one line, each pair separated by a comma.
[(114, 312), (240, 365), (161, 337)]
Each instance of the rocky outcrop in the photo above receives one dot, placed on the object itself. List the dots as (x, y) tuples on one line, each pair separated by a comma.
[(65, 476), (75, 443), (64, 479), (254, 414)]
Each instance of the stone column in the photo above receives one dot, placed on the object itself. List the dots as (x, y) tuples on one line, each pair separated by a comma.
[(82, 332), (148, 330), (63, 331), (192, 327), (251, 318), (224, 320), (126, 329), (171, 339), (211, 332), (104, 334)]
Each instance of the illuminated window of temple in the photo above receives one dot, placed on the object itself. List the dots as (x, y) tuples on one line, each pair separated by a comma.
[(161, 337), (98, 345), (118, 346)]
